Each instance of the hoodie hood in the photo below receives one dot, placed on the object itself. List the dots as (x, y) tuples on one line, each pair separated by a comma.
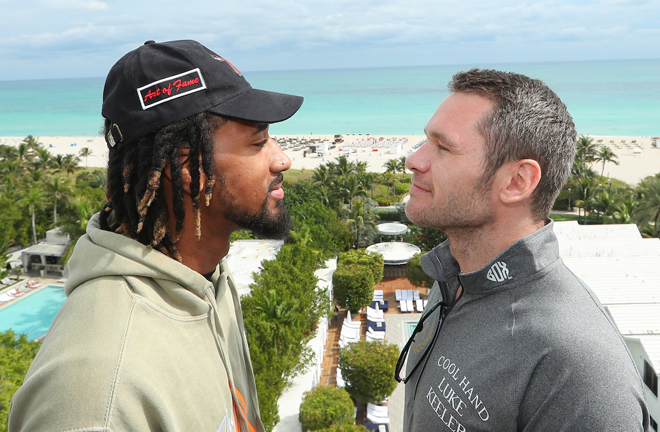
[(102, 253)]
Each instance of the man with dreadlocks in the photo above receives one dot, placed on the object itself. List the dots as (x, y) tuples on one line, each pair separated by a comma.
[(151, 334)]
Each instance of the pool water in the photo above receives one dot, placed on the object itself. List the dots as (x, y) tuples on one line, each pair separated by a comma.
[(33, 314), (410, 328)]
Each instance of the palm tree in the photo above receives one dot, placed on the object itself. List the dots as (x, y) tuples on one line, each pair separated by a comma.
[(604, 155), (648, 208), (368, 182), (58, 163), (321, 175), (624, 211), (353, 188), (586, 149), (58, 189), (401, 164), (584, 192), (31, 142), (391, 166), (361, 167), (24, 153), (85, 152), (359, 217), (43, 158), (279, 316), (74, 224), (605, 202), (342, 167), (33, 198), (388, 179), (71, 163)]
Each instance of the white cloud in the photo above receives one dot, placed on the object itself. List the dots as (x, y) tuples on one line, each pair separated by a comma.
[(263, 34), (91, 5)]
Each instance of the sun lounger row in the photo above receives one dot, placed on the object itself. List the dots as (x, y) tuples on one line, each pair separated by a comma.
[(350, 332), (378, 414), (407, 295)]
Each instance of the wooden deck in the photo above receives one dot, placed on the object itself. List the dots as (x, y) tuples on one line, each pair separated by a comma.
[(331, 357)]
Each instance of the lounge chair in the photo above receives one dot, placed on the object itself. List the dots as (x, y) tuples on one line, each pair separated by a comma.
[(420, 305)]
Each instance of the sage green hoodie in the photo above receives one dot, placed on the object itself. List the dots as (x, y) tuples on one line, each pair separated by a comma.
[(142, 343)]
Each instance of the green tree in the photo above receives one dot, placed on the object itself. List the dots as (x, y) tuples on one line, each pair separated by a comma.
[(321, 175), (391, 166), (325, 406), (85, 152), (353, 188), (291, 276), (427, 238), (57, 189), (354, 279), (360, 218), (372, 261), (586, 149), (416, 275), (368, 369), (16, 355), (648, 207), (33, 197), (604, 155), (74, 223), (401, 165)]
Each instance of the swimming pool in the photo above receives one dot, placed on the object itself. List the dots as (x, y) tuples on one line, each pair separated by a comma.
[(33, 314), (410, 328)]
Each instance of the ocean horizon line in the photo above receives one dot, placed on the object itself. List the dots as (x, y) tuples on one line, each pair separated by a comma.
[(366, 68)]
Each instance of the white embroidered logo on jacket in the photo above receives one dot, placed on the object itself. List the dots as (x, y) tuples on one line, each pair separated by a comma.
[(498, 272)]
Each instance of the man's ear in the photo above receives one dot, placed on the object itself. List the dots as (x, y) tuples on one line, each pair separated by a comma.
[(184, 161), (520, 179)]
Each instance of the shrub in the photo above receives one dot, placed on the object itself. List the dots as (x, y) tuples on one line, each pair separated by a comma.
[(388, 215), (16, 356), (346, 428), (401, 188), (325, 406), (353, 286), (368, 369), (373, 261), (416, 275), (384, 201)]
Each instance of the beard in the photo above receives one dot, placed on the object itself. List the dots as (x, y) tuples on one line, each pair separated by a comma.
[(264, 223), (466, 209)]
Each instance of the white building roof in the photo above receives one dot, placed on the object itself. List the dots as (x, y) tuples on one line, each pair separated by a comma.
[(244, 258), (621, 268)]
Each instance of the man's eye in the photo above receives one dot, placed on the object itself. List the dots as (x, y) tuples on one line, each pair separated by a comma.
[(262, 143)]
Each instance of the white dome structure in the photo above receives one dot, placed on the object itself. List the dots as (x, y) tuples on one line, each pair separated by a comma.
[(395, 253), (392, 229)]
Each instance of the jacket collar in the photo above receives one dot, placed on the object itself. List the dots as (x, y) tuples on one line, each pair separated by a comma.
[(522, 259)]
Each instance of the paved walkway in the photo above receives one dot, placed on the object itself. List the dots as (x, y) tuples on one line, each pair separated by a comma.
[(395, 333)]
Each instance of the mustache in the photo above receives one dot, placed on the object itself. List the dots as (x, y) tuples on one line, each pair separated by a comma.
[(276, 183)]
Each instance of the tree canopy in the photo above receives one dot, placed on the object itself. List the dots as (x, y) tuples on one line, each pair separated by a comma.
[(368, 369)]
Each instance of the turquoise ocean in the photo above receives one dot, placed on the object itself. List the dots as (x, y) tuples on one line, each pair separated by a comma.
[(605, 98)]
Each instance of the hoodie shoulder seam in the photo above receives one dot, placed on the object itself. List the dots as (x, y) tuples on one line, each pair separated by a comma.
[(118, 367)]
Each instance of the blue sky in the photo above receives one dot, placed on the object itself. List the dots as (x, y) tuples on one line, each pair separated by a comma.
[(42, 39)]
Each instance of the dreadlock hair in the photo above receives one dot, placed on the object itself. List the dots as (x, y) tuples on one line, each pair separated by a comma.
[(134, 181)]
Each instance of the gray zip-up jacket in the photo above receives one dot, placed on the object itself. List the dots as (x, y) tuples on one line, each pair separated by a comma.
[(526, 347)]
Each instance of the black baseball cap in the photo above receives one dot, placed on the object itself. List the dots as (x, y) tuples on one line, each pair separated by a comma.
[(160, 83)]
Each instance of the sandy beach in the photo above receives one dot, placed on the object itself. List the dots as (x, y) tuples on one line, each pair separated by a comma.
[(637, 157)]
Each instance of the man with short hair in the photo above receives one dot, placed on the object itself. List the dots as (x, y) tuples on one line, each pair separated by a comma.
[(151, 335), (511, 340)]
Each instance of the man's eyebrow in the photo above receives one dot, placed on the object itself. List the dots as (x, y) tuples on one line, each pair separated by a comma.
[(260, 128), (442, 138)]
